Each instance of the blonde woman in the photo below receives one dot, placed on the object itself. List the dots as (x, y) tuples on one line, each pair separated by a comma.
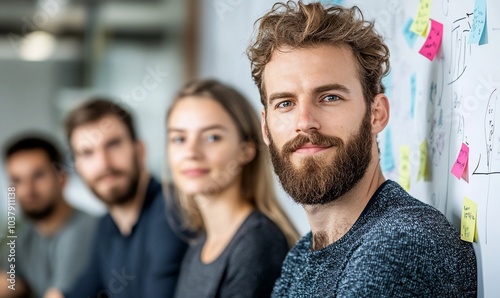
[(224, 188)]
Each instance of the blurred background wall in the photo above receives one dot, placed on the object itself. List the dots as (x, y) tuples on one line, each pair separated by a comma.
[(56, 53)]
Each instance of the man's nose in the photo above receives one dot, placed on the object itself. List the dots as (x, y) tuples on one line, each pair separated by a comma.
[(306, 118), (102, 160)]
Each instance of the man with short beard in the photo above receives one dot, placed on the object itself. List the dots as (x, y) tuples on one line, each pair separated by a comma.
[(319, 71), (53, 244), (138, 249)]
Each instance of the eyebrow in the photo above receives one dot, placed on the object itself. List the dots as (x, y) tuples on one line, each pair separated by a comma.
[(320, 89), (113, 140), (215, 126)]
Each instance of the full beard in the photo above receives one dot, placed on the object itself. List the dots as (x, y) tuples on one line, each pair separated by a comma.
[(317, 181), (120, 195), (40, 214)]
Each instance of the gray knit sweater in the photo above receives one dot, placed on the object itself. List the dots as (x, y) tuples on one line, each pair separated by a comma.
[(399, 247)]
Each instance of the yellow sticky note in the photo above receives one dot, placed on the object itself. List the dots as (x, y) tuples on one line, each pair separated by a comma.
[(404, 167), (468, 225), (423, 170), (421, 19)]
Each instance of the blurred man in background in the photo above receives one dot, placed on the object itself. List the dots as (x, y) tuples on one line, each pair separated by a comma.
[(137, 250), (52, 248)]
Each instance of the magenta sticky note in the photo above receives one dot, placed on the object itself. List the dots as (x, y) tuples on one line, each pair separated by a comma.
[(461, 163), (433, 41)]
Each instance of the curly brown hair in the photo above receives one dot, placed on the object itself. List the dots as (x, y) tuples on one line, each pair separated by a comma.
[(300, 25)]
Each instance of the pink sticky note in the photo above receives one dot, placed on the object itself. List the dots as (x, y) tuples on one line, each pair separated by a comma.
[(433, 41), (465, 174), (461, 162)]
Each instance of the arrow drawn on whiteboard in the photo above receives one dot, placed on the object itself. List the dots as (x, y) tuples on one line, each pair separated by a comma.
[(492, 143), (492, 147)]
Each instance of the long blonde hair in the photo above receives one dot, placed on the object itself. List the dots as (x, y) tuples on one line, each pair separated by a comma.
[(257, 181)]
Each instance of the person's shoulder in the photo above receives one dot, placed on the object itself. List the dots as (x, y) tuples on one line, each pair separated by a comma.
[(161, 220), (298, 255), (395, 205), (155, 194), (161, 201), (398, 219), (104, 227), (407, 235), (258, 228), (80, 225), (259, 235), (85, 219), (156, 211), (26, 231), (301, 247)]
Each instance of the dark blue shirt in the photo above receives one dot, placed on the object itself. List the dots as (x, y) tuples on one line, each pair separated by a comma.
[(144, 264)]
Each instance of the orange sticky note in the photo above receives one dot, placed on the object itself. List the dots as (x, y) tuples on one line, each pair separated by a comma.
[(461, 163), (433, 41)]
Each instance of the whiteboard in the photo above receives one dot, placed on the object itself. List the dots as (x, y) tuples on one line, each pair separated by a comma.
[(452, 96), (457, 100)]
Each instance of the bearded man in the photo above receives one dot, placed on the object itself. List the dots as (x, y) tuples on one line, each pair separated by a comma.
[(138, 247), (53, 246), (319, 72)]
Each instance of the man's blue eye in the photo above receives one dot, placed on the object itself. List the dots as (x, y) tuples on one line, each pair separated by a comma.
[(331, 98), (284, 104), (177, 140)]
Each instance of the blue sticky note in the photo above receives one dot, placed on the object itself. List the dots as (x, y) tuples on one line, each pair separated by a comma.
[(413, 89), (387, 159), (478, 23), (484, 36), (409, 36), (336, 2), (387, 81)]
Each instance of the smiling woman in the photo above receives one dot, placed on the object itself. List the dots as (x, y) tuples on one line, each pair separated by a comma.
[(224, 186)]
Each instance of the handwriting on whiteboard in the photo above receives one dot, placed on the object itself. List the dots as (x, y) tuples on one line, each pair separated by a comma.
[(491, 163), (460, 50)]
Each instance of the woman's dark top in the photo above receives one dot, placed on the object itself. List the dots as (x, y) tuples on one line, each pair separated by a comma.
[(247, 267)]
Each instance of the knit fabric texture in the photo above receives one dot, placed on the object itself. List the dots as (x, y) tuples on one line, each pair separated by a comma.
[(398, 247)]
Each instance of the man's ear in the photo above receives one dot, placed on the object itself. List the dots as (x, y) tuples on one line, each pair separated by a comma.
[(141, 152), (263, 126), (380, 113), (63, 178)]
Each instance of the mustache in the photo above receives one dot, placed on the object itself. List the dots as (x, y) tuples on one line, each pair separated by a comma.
[(314, 137), (32, 197), (110, 172)]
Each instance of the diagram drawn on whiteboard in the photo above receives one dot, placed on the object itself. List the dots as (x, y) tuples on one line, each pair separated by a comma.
[(489, 162)]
